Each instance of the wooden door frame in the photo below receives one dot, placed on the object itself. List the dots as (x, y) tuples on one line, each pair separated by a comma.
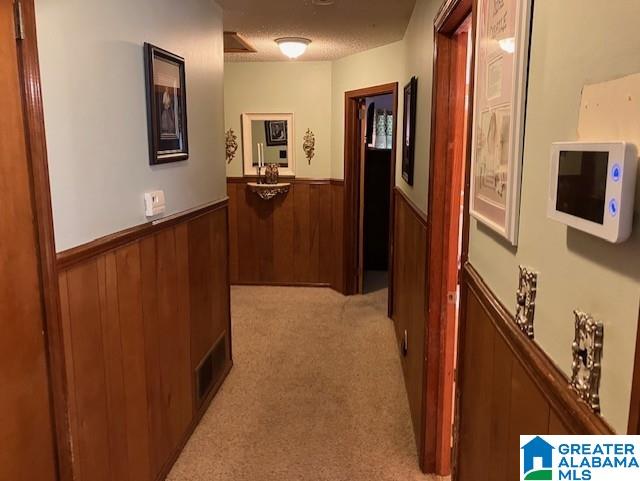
[(352, 164), (29, 69), (436, 431)]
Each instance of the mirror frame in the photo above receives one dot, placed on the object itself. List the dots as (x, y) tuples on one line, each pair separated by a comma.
[(247, 143)]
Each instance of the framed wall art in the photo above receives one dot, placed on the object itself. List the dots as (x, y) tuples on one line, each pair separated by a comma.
[(166, 106), (502, 57), (409, 129), (275, 132)]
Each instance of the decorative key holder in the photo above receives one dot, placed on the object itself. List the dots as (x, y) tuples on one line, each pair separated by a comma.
[(526, 300), (587, 356)]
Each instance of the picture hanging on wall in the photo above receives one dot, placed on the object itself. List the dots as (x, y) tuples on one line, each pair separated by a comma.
[(166, 106), (275, 132), (502, 42), (409, 129)]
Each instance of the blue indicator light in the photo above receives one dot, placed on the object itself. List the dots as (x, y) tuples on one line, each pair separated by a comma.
[(616, 173), (613, 207)]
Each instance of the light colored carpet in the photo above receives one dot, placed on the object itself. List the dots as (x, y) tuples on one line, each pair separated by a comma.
[(316, 393)]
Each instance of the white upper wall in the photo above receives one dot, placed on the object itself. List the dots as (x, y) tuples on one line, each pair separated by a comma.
[(301, 88), (576, 270), (92, 66)]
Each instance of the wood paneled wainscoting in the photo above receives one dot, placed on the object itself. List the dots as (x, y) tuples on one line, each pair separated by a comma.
[(409, 301), (292, 239), (147, 339), (507, 386)]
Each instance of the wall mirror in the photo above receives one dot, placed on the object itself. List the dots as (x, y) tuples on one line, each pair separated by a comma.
[(268, 139)]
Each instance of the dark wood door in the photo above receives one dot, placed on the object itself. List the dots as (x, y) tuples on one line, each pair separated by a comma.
[(26, 435)]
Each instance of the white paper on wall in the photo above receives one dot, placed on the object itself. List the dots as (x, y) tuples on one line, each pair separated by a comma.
[(611, 110)]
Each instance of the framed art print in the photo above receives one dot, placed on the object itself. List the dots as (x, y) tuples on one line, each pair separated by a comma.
[(502, 46), (409, 130), (166, 106), (275, 132)]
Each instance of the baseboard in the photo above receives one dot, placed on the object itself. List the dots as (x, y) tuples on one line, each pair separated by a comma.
[(166, 469), (283, 284)]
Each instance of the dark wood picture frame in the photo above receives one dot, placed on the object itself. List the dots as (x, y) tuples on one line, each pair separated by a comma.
[(268, 133), (175, 146), (409, 129)]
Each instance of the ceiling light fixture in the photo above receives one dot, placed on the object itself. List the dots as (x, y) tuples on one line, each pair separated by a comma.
[(293, 47), (323, 3)]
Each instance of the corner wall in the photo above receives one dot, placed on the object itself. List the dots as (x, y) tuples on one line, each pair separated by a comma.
[(92, 66)]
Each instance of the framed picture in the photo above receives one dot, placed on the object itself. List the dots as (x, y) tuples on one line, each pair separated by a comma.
[(166, 106), (502, 42), (409, 129), (275, 132)]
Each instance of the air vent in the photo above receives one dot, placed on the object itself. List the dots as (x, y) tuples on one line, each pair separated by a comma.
[(211, 369), (234, 43)]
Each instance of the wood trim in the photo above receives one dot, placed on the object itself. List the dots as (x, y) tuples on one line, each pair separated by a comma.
[(451, 14), (283, 284), (436, 453), (292, 180), (388, 88), (352, 182), (83, 252), (37, 151), (422, 217), (247, 47), (634, 408), (552, 383)]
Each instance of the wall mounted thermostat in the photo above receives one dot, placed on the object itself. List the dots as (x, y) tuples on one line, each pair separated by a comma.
[(154, 203), (592, 187)]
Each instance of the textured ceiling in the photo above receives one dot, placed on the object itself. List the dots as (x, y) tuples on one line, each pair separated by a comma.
[(346, 27)]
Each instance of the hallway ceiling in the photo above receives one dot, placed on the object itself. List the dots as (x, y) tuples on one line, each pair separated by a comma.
[(337, 30)]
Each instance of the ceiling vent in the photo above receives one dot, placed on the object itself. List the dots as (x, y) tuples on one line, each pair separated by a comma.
[(234, 43)]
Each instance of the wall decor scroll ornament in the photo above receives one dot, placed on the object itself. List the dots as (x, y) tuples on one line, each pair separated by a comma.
[(231, 145), (587, 357), (526, 300), (309, 145)]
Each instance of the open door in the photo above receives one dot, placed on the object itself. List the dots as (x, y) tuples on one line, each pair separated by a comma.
[(27, 439)]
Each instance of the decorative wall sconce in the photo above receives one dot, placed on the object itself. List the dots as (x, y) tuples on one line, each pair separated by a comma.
[(231, 145), (309, 145), (587, 356), (526, 300)]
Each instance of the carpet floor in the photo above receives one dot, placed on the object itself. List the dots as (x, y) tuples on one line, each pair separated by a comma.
[(316, 393)]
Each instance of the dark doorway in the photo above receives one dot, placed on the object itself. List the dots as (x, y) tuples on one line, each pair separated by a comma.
[(369, 180), (379, 140)]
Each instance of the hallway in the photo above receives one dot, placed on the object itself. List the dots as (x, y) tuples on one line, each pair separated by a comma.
[(316, 392)]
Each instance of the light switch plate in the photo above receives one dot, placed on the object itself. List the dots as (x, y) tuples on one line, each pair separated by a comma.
[(154, 203)]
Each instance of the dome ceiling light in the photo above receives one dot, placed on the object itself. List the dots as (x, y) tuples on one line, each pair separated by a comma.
[(293, 47)]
